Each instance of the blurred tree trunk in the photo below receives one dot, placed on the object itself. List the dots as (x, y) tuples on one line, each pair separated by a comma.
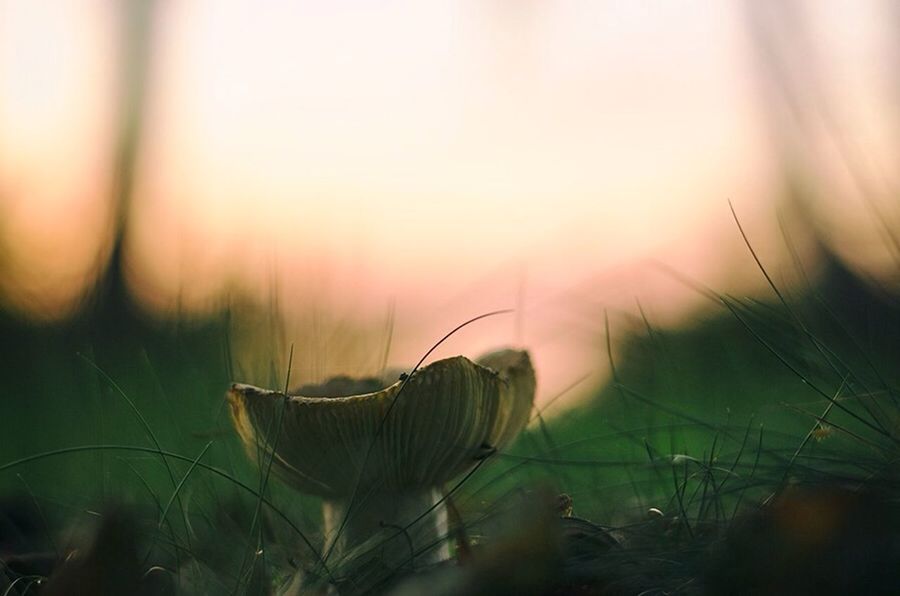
[(136, 21)]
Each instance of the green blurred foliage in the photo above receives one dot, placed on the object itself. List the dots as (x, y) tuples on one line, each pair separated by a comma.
[(695, 422)]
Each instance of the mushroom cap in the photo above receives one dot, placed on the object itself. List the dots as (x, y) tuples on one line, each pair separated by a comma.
[(416, 433)]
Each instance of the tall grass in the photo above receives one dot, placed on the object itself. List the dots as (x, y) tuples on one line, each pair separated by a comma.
[(701, 440)]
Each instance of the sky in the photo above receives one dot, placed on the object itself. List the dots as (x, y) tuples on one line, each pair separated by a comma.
[(441, 160)]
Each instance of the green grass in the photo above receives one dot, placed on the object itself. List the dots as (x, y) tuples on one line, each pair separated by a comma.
[(703, 424)]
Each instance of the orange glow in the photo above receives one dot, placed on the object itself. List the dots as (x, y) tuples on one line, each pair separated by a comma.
[(450, 157), (56, 126), (433, 155), (427, 141)]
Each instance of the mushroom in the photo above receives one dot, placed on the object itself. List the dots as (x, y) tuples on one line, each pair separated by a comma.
[(379, 457)]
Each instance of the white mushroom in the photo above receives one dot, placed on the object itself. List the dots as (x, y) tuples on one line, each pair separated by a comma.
[(380, 458)]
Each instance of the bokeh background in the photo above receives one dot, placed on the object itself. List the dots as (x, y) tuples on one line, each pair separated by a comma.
[(441, 161), (188, 189)]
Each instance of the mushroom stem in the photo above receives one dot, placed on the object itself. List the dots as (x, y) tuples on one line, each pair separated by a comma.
[(385, 526)]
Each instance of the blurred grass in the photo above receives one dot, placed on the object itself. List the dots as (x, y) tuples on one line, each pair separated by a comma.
[(739, 389), (696, 422)]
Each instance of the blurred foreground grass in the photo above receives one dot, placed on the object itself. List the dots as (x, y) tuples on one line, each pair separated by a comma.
[(724, 413), (698, 424)]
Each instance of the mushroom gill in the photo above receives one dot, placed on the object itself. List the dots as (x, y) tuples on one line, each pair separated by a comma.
[(380, 458)]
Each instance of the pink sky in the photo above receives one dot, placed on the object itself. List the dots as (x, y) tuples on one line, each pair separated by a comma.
[(450, 158)]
